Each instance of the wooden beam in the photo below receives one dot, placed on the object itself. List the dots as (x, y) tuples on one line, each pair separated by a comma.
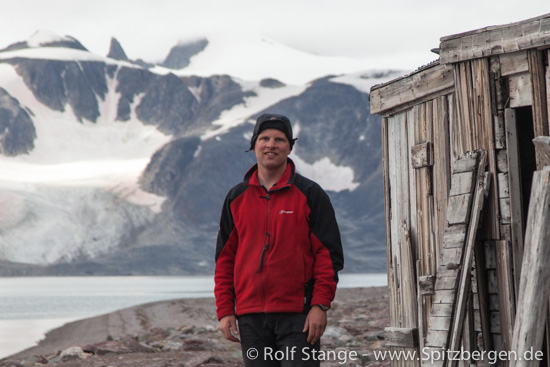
[(418, 87), (534, 290), (495, 40)]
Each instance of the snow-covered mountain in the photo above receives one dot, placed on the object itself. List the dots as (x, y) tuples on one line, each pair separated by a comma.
[(118, 166)]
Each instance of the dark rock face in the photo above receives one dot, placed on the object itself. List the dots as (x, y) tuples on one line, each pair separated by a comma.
[(116, 51), (17, 131), (180, 55), (58, 83)]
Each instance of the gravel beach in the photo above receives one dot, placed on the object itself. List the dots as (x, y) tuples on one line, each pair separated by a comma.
[(184, 333)]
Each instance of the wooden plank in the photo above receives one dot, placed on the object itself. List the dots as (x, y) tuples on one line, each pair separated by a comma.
[(482, 189), (422, 155), (485, 141), (542, 146), (416, 87), (520, 90), (482, 253), (540, 109), (444, 297), (492, 282), (534, 289), (441, 167), (466, 163), (451, 255), (460, 212), (503, 188), (489, 255), (442, 309), (445, 283), (441, 323), (514, 63), (401, 337), (392, 288), (462, 183), (455, 236), (506, 296), (495, 40), (436, 338), (516, 198), (408, 281), (504, 207), (495, 322), (502, 161)]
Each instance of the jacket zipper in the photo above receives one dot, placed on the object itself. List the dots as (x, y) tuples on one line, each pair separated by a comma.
[(266, 247)]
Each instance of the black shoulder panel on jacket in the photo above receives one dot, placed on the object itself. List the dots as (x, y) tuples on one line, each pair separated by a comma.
[(226, 220), (322, 219)]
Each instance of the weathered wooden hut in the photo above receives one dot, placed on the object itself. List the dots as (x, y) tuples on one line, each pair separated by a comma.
[(459, 168)]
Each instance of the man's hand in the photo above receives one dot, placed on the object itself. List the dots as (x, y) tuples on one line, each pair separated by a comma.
[(228, 326), (316, 322)]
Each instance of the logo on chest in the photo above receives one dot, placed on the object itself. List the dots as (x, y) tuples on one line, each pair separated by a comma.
[(286, 211)]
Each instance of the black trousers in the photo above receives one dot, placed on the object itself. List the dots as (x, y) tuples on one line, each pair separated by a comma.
[(276, 339)]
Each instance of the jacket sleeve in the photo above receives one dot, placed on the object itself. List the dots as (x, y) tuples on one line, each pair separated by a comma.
[(327, 246), (226, 249)]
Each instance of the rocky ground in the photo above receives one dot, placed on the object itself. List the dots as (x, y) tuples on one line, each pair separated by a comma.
[(185, 333)]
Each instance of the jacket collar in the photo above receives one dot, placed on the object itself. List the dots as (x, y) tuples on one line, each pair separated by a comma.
[(251, 177)]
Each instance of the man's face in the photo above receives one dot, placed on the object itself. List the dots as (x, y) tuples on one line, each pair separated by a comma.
[(272, 148)]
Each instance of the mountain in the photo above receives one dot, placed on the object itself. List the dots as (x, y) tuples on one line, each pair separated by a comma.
[(118, 166)]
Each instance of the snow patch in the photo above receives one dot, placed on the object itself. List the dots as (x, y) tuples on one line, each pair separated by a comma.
[(330, 176), (239, 114), (253, 57), (43, 37)]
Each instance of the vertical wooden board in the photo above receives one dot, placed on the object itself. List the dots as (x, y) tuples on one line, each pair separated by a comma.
[(505, 291), (515, 204), (485, 140), (442, 167), (538, 83), (503, 188), (411, 123), (455, 147), (392, 162), (489, 255), (502, 161)]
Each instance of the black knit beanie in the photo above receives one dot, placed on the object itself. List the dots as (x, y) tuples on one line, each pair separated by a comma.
[(272, 121)]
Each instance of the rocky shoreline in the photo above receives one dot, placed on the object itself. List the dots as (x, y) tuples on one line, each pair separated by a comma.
[(185, 333)]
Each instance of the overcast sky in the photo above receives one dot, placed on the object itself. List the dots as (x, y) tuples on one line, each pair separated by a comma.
[(384, 33)]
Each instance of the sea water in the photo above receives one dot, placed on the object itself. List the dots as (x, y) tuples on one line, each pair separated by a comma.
[(31, 306)]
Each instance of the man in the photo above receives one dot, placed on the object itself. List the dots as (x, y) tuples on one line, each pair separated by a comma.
[(277, 257)]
